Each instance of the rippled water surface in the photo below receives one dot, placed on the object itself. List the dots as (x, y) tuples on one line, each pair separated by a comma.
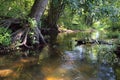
[(67, 61)]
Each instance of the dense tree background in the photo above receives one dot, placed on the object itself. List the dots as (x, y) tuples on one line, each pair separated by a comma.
[(35, 15)]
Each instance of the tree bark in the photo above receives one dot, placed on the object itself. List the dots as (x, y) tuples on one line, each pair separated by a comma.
[(38, 9), (54, 13), (36, 13)]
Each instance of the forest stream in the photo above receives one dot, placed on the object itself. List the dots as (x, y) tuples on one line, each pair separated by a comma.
[(68, 61)]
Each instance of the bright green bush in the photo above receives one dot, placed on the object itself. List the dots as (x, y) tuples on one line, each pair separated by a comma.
[(5, 36)]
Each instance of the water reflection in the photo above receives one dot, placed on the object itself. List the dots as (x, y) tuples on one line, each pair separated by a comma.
[(106, 72), (84, 62), (74, 60), (75, 65), (76, 54)]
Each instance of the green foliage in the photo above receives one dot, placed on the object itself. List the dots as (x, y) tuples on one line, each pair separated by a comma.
[(72, 21), (90, 11), (112, 34), (15, 8), (78, 14), (32, 22), (96, 8), (106, 54), (115, 26), (5, 36)]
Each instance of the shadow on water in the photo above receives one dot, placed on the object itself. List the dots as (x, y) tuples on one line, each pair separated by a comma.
[(70, 62)]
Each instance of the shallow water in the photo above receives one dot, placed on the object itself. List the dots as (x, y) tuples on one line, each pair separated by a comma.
[(67, 61)]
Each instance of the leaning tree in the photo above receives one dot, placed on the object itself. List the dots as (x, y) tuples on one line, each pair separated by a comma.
[(29, 32)]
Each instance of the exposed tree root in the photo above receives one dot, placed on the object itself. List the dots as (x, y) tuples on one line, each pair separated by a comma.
[(7, 22), (25, 39), (38, 35), (20, 37)]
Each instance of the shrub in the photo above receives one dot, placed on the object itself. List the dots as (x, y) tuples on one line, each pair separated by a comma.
[(5, 36)]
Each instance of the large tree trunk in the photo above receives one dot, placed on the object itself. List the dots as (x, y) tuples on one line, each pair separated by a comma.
[(36, 13), (23, 35), (54, 13), (38, 9)]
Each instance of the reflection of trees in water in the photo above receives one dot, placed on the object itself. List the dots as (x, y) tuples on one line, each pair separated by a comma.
[(76, 54), (74, 63), (106, 72), (105, 60), (75, 57), (53, 45)]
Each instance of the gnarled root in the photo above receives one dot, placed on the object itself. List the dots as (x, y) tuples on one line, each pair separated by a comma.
[(21, 36), (38, 35)]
